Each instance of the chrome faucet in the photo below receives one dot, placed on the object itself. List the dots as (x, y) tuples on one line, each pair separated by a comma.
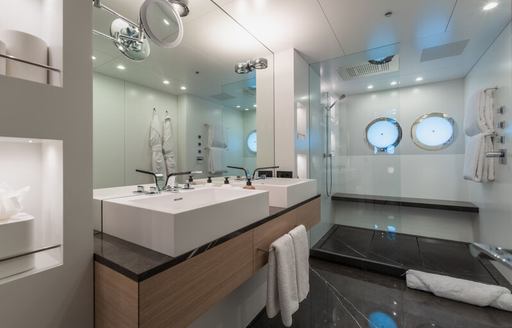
[(160, 180)]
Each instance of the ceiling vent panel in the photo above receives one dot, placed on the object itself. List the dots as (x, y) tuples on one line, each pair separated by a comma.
[(222, 96), (365, 69), (444, 51)]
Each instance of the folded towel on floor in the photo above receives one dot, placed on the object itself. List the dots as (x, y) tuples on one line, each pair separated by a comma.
[(301, 248), (282, 293), (461, 290)]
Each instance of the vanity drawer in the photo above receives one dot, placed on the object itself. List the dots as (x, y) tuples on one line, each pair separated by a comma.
[(176, 297), (265, 234)]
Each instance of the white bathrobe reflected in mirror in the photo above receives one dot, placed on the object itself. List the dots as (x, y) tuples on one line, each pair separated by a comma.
[(168, 146), (155, 142)]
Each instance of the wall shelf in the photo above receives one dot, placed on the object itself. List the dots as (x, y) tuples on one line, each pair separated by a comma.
[(448, 205)]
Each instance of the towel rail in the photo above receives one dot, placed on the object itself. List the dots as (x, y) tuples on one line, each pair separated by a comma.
[(24, 61)]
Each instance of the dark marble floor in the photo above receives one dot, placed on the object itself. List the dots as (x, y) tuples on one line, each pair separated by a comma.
[(343, 296), (381, 249)]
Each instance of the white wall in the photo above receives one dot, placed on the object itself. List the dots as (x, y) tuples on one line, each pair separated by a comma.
[(62, 296), (411, 171), (122, 116), (495, 69), (291, 93)]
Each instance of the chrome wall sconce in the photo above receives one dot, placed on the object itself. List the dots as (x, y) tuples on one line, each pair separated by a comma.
[(159, 20), (250, 65)]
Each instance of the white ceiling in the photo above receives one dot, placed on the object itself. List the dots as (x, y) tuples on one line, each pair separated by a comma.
[(332, 33), (212, 44)]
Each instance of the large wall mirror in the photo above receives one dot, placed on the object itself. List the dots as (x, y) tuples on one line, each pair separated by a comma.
[(190, 93)]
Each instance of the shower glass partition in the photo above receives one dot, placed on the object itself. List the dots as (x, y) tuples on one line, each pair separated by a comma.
[(356, 141)]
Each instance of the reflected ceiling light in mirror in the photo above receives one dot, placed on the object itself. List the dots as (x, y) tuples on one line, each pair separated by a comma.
[(254, 105), (121, 67), (93, 57), (419, 79), (246, 109), (238, 106), (490, 5), (183, 88), (393, 83), (370, 86), (166, 82)]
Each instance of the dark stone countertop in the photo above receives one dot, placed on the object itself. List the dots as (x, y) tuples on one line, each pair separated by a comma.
[(139, 263)]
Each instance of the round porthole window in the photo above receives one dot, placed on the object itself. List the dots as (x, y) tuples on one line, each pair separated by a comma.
[(252, 143), (433, 131), (383, 134)]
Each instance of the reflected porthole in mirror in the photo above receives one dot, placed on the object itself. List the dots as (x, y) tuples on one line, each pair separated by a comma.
[(252, 143), (383, 135), (434, 131)]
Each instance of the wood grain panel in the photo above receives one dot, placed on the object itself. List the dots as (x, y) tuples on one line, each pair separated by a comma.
[(115, 299), (308, 214), (176, 297), (266, 233)]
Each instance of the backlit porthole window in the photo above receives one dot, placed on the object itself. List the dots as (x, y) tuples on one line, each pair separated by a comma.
[(433, 131), (383, 135), (252, 141)]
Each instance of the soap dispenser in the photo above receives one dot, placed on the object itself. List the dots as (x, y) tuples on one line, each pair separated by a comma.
[(249, 185)]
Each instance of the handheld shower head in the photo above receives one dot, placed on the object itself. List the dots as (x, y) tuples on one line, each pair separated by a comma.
[(343, 96)]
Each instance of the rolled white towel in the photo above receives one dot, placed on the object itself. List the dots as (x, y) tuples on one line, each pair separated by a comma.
[(460, 290)]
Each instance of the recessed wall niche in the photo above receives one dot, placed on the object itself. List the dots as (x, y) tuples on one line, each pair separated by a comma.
[(31, 206), (31, 41)]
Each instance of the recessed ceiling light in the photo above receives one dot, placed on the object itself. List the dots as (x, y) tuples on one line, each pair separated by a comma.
[(393, 83), (419, 79), (490, 5), (93, 57), (183, 87), (370, 86), (238, 106), (254, 105), (121, 67), (30, 141), (166, 82)]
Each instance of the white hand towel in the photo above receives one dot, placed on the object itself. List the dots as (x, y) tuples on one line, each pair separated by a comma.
[(301, 248), (460, 290), (216, 136), (282, 294), (473, 158), (477, 167), (479, 117), (215, 160)]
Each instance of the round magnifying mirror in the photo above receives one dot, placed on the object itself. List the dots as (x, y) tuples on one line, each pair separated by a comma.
[(161, 23), (433, 131), (127, 39)]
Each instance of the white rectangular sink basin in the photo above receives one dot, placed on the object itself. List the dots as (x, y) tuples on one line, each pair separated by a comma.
[(175, 223), (286, 192)]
